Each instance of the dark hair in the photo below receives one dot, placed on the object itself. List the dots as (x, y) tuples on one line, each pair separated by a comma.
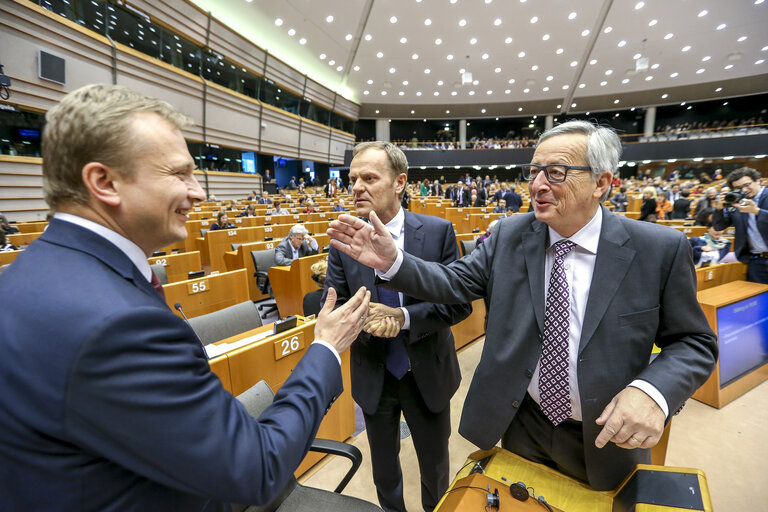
[(685, 193), (220, 215), (741, 173), (622, 189)]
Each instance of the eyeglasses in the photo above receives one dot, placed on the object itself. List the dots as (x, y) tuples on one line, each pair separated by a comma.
[(555, 173), (745, 185)]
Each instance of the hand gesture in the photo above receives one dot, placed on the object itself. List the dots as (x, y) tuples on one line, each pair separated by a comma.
[(631, 420), (747, 206), (370, 244), (383, 321), (341, 327)]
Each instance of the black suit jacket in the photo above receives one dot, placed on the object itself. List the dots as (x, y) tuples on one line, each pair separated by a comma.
[(430, 344), (681, 209), (637, 298)]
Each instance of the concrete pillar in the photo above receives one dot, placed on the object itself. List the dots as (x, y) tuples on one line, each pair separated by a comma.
[(549, 122), (463, 133), (382, 129), (650, 121)]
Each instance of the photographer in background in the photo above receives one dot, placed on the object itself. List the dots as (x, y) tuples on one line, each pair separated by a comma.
[(746, 208)]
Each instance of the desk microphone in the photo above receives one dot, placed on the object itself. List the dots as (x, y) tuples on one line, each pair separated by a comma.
[(177, 307)]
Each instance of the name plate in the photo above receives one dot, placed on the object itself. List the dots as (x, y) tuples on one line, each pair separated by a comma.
[(159, 261), (198, 287), (287, 346), (232, 232), (269, 245)]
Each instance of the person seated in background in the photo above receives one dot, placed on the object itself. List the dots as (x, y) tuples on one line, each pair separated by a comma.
[(501, 207), (6, 227), (482, 238), (279, 210), (510, 212), (620, 201), (681, 208), (222, 222), (648, 208), (476, 201), (710, 247), (663, 207), (705, 207), (311, 304), (5, 245), (297, 244), (309, 206), (250, 211), (264, 199), (340, 207)]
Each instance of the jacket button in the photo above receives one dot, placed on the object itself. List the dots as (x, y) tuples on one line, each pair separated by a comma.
[(515, 404), (528, 373)]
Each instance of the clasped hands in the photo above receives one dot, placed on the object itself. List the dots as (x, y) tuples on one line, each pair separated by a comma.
[(383, 321)]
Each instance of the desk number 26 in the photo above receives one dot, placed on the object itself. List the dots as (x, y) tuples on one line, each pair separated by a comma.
[(290, 345)]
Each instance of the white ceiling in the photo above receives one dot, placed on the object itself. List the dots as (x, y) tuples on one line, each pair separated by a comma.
[(596, 58)]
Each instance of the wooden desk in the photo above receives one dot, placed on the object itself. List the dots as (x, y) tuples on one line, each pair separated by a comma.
[(290, 284), (690, 231), (7, 257), (711, 392), (179, 265), (31, 227), (208, 294), (715, 275), (19, 239), (472, 327), (245, 366)]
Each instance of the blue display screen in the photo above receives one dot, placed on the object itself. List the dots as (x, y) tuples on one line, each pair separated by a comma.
[(248, 159), (743, 337)]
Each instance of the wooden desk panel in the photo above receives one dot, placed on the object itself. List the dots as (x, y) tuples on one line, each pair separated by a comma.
[(290, 284), (179, 265), (472, 327), (7, 257), (19, 239), (31, 227), (214, 292)]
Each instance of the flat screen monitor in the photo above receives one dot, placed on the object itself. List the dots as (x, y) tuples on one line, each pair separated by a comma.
[(51, 67), (249, 162), (743, 337)]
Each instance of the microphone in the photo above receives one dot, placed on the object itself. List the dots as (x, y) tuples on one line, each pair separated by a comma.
[(178, 308)]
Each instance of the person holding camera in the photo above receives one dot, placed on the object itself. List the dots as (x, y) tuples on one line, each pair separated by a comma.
[(746, 208)]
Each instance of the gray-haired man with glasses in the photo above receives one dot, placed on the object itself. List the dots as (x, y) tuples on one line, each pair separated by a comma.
[(564, 378)]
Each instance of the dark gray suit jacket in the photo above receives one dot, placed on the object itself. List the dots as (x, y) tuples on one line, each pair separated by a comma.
[(638, 296), (430, 346), (284, 252)]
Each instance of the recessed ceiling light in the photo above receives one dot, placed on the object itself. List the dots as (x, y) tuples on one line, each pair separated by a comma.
[(545, 37), (758, 2), (625, 81), (639, 5), (379, 54), (534, 19), (559, 51), (440, 82), (565, 87), (550, 78), (356, 68), (473, 40), (582, 85), (497, 70), (392, 71), (438, 41), (573, 63), (462, 23), (521, 54), (572, 15), (418, 93), (415, 56), (585, 32), (348, 37), (403, 40), (427, 22), (329, 19), (279, 22), (508, 40), (526, 90), (471, 93), (685, 48), (741, 39), (292, 32), (322, 56), (447, 111), (520, 109), (482, 111), (758, 62), (615, 102), (454, 1), (369, 82), (511, 80), (558, 106), (721, 26), (368, 37), (700, 71), (475, 82), (608, 72), (405, 82), (454, 93), (377, 111), (703, 13), (489, 92), (649, 78), (607, 30), (449, 56), (674, 75), (497, 22), (669, 36), (401, 93), (383, 93), (545, 89), (593, 62), (622, 43), (427, 71), (331, 62), (729, 66), (484, 56), (706, 58), (718, 89), (764, 48), (603, 83), (534, 67), (507, 91), (413, 111), (366, 93), (664, 96), (652, 22), (393, 19), (573, 105)]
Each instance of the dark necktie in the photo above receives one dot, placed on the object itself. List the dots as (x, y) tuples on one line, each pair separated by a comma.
[(397, 356), (554, 388), (158, 286)]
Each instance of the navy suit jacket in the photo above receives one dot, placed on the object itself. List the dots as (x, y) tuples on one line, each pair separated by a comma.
[(721, 219), (637, 298), (430, 345), (108, 402)]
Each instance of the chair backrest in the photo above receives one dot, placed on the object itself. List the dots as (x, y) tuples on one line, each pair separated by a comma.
[(226, 322), (235, 246), (257, 398), (467, 246), (159, 270), (263, 260), (203, 232)]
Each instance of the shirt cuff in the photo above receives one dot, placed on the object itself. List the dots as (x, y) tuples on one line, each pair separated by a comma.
[(389, 274), (330, 347), (313, 244), (652, 392), (407, 321)]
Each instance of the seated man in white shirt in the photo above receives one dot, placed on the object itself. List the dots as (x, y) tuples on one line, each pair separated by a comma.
[(297, 244)]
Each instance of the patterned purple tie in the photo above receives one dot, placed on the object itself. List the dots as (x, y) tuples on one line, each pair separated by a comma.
[(554, 389)]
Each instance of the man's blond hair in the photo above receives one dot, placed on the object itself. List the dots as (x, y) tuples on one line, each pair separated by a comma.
[(94, 124)]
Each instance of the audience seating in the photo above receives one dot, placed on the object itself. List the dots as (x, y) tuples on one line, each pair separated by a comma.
[(226, 322), (709, 277), (179, 265)]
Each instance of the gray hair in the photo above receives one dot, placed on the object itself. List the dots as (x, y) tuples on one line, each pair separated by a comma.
[(298, 229), (603, 146), (94, 124)]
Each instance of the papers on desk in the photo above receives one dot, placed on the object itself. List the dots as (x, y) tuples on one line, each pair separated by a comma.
[(222, 348)]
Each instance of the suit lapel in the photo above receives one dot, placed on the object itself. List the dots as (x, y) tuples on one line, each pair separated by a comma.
[(534, 245), (611, 265), (414, 240)]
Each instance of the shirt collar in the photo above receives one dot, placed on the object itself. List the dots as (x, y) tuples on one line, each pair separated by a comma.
[(587, 237), (134, 253), (397, 224)]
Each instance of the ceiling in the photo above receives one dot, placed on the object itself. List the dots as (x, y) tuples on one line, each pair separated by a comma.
[(403, 58)]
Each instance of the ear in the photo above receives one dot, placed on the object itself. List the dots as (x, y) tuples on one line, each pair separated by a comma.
[(602, 184), (102, 183), (400, 182)]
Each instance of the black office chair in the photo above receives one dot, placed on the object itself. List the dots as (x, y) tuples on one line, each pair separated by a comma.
[(467, 246), (296, 497), (262, 261), (226, 322)]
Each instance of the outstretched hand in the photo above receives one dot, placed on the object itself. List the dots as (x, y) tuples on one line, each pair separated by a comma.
[(341, 327), (370, 244)]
